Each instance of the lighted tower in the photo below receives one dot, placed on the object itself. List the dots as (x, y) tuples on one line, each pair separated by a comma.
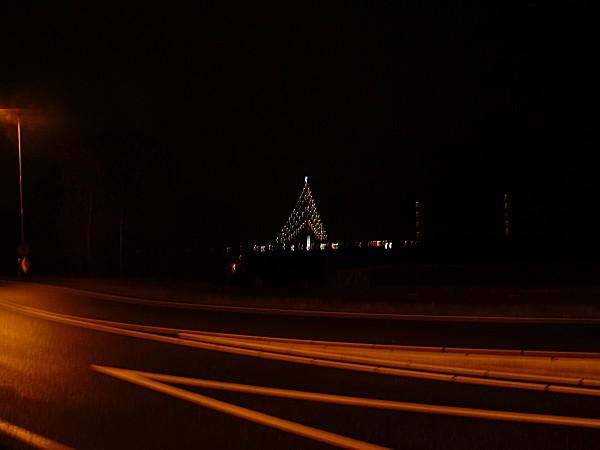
[(506, 215), (304, 219), (417, 219)]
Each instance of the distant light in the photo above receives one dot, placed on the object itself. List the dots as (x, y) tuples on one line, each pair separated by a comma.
[(506, 215), (306, 179)]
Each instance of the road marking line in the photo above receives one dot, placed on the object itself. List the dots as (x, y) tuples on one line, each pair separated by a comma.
[(320, 313), (551, 355), (239, 350), (29, 437), (527, 380), (238, 411), (360, 401)]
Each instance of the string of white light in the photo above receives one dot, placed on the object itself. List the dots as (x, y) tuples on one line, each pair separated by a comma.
[(303, 218)]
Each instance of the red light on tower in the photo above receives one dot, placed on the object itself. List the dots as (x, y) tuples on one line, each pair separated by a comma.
[(417, 220), (506, 215)]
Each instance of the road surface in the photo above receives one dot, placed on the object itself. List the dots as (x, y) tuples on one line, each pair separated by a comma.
[(69, 380)]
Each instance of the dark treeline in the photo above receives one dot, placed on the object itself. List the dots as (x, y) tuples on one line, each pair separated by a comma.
[(121, 203), (92, 203)]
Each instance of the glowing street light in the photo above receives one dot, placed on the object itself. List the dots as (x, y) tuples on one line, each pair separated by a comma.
[(11, 114)]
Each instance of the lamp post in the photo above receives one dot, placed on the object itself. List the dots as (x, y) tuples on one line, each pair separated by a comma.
[(21, 183), (10, 113)]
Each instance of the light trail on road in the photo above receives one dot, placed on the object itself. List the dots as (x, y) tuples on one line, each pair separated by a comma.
[(46, 384)]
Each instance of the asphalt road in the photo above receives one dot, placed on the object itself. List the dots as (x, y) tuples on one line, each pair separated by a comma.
[(48, 387)]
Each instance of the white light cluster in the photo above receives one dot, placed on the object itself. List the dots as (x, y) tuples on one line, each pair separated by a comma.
[(304, 218)]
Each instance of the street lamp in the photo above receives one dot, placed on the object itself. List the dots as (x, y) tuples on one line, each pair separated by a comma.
[(9, 113)]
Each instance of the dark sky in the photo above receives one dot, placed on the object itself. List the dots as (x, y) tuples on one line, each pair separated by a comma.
[(228, 110)]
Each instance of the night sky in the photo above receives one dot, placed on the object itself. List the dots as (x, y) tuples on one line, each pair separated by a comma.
[(205, 121)]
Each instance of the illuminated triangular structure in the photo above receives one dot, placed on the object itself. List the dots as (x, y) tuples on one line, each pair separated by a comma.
[(304, 220)]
